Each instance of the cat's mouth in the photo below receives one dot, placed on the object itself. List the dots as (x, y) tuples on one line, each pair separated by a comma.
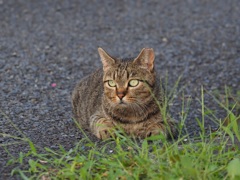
[(122, 102)]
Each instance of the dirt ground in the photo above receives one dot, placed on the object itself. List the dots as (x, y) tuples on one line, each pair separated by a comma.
[(46, 47)]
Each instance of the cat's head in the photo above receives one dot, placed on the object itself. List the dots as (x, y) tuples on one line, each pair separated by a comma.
[(128, 82)]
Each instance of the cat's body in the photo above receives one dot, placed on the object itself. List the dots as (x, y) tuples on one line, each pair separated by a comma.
[(125, 94)]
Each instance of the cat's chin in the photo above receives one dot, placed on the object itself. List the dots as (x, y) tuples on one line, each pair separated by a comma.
[(121, 104)]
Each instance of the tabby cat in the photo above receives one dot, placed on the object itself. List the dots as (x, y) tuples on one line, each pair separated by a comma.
[(123, 94)]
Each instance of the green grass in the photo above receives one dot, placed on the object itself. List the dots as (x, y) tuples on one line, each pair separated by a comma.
[(208, 156)]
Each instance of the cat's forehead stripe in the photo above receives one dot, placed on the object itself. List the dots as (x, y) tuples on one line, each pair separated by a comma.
[(120, 74), (122, 71)]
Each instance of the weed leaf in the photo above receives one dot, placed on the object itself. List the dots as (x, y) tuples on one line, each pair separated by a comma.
[(233, 168)]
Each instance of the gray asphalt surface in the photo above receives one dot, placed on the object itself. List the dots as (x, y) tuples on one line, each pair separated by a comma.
[(47, 42)]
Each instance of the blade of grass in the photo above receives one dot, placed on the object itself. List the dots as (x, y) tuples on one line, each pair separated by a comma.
[(13, 125)]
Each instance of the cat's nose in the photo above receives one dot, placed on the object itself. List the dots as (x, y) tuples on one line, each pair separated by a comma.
[(120, 95)]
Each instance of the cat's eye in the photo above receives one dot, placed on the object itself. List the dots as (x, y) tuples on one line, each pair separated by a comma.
[(133, 82), (111, 83)]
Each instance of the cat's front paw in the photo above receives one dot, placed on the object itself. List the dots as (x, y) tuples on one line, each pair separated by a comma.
[(155, 131), (104, 129), (168, 130)]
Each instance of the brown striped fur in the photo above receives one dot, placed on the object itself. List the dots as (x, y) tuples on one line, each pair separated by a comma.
[(100, 107)]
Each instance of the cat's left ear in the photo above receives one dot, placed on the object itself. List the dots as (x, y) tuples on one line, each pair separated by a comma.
[(145, 59), (106, 59)]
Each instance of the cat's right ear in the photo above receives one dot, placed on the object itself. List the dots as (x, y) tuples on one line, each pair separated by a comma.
[(106, 59)]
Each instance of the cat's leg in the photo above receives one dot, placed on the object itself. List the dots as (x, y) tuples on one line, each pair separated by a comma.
[(101, 127), (168, 128)]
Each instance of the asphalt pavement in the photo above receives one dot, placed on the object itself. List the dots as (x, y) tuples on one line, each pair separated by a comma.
[(46, 47)]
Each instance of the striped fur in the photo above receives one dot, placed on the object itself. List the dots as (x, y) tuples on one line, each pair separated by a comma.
[(101, 106)]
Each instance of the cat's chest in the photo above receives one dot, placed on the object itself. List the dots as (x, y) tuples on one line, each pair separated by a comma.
[(141, 127)]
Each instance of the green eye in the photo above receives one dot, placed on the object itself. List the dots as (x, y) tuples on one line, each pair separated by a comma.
[(133, 82), (111, 83)]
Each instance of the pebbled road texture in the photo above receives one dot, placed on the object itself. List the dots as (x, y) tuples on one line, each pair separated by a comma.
[(46, 47)]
